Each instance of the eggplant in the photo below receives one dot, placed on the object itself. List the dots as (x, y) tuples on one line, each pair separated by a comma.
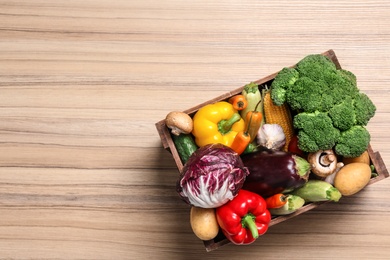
[(272, 171)]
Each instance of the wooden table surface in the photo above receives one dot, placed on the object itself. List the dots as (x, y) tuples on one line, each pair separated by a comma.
[(83, 174)]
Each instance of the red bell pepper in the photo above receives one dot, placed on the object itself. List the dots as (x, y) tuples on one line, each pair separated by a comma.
[(244, 218), (293, 147)]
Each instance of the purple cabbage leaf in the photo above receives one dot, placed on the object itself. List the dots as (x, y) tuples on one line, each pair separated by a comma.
[(212, 176)]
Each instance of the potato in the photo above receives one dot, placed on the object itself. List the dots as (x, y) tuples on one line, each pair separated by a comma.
[(204, 223), (363, 158), (352, 178)]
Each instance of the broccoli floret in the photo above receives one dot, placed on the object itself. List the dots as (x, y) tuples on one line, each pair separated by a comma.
[(316, 131), (349, 75), (364, 109), (353, 142), (282, 82), (343, 114), (308, 95), (341, 83), (305, 95), (316, 67)]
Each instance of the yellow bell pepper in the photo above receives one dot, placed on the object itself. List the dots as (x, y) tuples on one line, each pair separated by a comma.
[(217, 123)]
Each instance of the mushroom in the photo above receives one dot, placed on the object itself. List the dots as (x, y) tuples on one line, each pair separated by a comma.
[(179, 123), (330, 178), (323, 162)]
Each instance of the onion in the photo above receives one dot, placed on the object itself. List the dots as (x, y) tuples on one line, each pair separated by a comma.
[(271, 136)]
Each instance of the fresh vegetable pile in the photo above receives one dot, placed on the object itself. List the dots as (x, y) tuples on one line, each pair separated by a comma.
[(270, 150)]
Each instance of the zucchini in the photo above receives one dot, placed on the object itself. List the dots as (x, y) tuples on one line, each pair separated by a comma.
[(293, 204), (185, 146), (318, 190)]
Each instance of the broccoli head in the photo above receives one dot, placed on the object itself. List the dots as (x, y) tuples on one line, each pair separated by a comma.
[(316, 67), (330, 112), (342, 83), (364, 109), (343, 114), (314, 84), (353, 142), (282, 82), (308, 95), (316, 131)]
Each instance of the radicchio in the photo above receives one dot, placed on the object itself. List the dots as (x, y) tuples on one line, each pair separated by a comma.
[(212, 176)]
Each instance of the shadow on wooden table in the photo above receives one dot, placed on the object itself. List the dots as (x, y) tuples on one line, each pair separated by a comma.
[(343, 220), (174, 210)]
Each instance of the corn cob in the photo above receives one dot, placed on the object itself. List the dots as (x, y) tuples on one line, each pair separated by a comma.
[(280, 115)]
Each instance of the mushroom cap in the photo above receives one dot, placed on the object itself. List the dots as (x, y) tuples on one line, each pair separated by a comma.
[(323, 162), (179, 122)]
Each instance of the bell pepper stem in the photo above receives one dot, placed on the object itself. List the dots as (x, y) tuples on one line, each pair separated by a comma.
[(248, 221), (225, 125)]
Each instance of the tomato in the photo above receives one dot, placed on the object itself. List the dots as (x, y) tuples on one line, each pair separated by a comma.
[(293, 147)]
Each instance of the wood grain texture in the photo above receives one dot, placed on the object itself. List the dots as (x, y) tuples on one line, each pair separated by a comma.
[(83, 174)]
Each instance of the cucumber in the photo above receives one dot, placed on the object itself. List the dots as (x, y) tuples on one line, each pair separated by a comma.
[(317, 190), (185, 146), (251, 148)]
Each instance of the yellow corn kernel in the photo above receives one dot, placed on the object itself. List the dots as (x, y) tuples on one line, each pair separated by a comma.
[(280, 115)]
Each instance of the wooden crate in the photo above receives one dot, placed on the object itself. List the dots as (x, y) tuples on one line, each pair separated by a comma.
[(168, 144)]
